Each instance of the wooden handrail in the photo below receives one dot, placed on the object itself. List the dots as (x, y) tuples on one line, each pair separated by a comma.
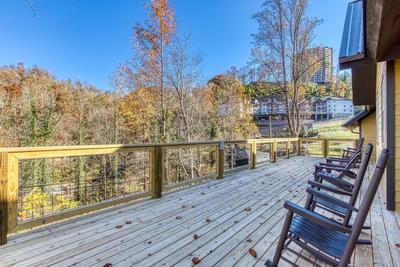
[(10, 159)]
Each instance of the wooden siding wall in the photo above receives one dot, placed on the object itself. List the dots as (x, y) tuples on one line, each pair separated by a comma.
[(368, 131), (397, 133), (381, 107)]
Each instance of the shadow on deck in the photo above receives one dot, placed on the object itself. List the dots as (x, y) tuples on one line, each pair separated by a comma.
[(217, 222)]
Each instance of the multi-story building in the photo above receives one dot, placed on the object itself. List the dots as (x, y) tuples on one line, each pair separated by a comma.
[(270, 115), (327, 108), (273, 105), (324, 74)]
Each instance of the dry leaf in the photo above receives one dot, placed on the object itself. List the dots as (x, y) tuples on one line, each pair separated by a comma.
[(118, 226), (195, 237), (253, 252), (195, 260), (249, 240), (397, 245), (107, 265), (128, 222), (247, 209), (208, 220), (178, 217)]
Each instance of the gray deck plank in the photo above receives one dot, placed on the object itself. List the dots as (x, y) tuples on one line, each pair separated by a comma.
[(156, 238)]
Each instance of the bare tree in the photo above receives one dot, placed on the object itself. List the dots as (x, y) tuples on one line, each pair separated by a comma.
[(184, 76), (284, 35)]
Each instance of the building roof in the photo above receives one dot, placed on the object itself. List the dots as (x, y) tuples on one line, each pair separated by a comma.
[(352, 46), (325, 98), (356, 120)]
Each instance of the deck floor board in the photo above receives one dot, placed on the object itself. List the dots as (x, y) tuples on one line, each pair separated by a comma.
[(161, 232)]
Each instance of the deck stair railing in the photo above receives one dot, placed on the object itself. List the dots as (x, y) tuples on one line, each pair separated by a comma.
[(40, 185)]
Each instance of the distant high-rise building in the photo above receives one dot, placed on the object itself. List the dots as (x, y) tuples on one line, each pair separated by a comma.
[(324, 73)]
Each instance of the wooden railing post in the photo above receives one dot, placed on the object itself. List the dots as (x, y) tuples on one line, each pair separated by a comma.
[(355, 144), (288, 148), (299, 147), (158, 169), (274, 150), (221, 159), (253, 154), (325, 147), (3, 197)]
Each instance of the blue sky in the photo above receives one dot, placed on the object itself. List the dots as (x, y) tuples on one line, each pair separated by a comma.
[(86, 39)]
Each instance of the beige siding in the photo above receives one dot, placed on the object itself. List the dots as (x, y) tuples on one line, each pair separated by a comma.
[(368, 131)]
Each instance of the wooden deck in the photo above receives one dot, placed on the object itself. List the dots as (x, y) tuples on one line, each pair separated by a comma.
[(217, 222)]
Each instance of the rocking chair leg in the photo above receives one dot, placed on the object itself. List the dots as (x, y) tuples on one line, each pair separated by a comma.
[(281, 242), (364, 242), (309, 202)]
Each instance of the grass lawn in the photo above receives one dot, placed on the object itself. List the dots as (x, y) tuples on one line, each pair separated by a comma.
[(333, 130)]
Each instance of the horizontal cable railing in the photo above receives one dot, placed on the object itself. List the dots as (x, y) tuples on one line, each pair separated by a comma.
[(40, 185)]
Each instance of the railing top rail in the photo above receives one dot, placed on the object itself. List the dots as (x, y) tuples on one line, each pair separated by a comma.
[(77, 148), (271, 140), (97, 147)]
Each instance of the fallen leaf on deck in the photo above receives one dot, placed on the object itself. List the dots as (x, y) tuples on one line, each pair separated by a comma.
[(128, 222), (195, 237), (183, 206), (208, 220), (118, 226), (247, 209), (397, 245), (249, 240), (178, 217), (195, 260), (107, 265), (253, 252), (149, 242)]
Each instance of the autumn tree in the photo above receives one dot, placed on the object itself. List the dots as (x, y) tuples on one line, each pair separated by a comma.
[(285, 33), (231, 108), (148, 66)]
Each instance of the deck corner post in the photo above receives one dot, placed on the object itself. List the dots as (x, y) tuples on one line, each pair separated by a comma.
[(325, 145), (220, 159), (299, 147), (288, 148), (3, 198), (274, 150), (253, 154), (157, 173)]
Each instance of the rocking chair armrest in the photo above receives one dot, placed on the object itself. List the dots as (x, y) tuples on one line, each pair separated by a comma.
[(331, 199), (332, 159), (331, 189), (315, 217), (330, 164), (331, 168), (333, 180)]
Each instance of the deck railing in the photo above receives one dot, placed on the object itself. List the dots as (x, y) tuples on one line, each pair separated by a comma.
[(39, 185)]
